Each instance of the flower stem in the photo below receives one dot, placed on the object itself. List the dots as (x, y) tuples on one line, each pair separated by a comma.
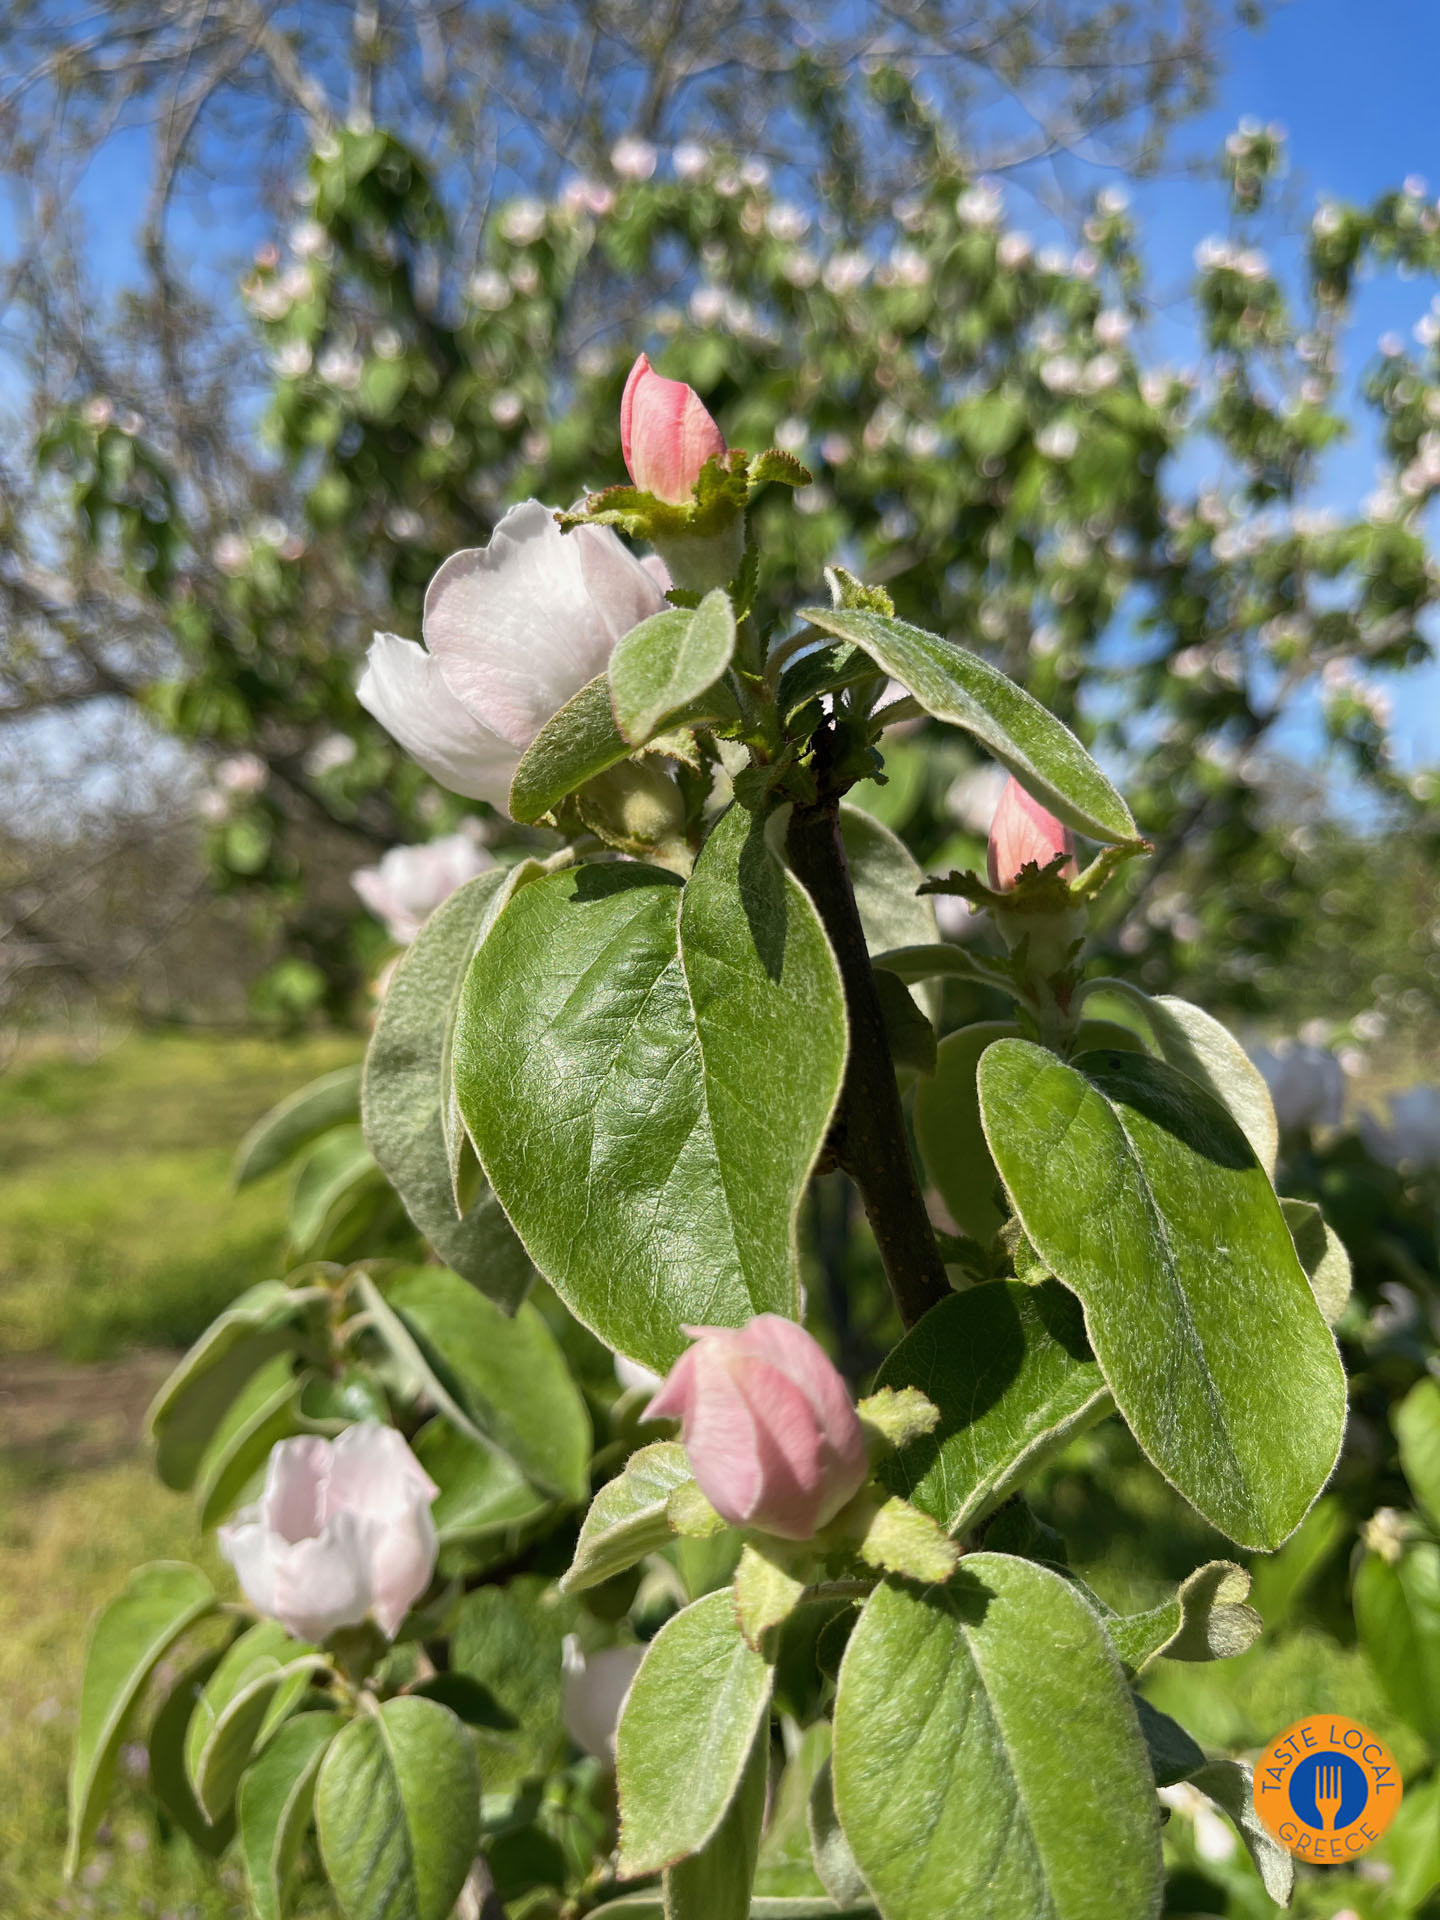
[(868, 1139)]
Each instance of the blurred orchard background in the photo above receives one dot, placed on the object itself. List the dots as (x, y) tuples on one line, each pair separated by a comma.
[(1096, 365)]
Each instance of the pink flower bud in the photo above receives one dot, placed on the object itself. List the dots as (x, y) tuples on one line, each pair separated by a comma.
[(772, 1437), (666, 434), (1023, 833)]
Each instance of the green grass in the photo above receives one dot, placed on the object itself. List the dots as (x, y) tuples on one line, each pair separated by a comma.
[(117, 1225)]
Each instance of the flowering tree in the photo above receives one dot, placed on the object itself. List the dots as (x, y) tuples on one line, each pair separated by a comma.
[(810, 1656)]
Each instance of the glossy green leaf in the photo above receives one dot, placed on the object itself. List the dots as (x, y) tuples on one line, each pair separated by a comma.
[(947, 1122), (135, 1631), (264, 1412), (648, 1073), (1227, 1783), (1397, 1614), (507, 1373), (276, 1799), (333, 1169), (628, 1516), (265, 1320), (407, 1087), (1322, 1254), (1206, 1618), (715, 1883), (687, 1730), (1417, 1428), (257, 1684), (331, 1101), (168, 1780), (481, 1491), (988, 1759), (397, 1805), (1142, 1194), (1208, 1053), (957, 686), (1011, 1371), (659, 668)]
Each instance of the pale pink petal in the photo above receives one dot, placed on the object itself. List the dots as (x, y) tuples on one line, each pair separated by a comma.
[(374, 1473), (753, 1443), (293, 1504), (514, 627), (672, 1400), (402, 1551), (324, 1583), (246, 1543), (623, 589), (666, 433), (658, 571), (595, 1687), (1021, 832), (786, 1345), (404, 688)]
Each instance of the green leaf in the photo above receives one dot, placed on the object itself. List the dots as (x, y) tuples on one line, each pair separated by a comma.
[(767, 1587), (266, 1411), (468, 1699), (822, 669), (481, 1491), (507, 1374), (1204, 1619), (167, 1778), (957, 686), (1411, 1848), (257, 1684), (407, 1087), (941, 962), (659, 667), (131, 1636), (948, 1128), (834, 1861), (334, 1167), (648, 1073), (627, 1517), (951, 1139), (1010, 1369), (277, 1136), (903, 1539), (908, 1032), (784, 1865), (1174, 1756), (886, 878), (276, 1799), (574, 745), (265, 1320), (1200, 1314), (988, 1758), (397, 1805), (1322, 1254), (1204, 1051), (1417, 1428), (715, 1883), (1227, 1783), (1281, 1578), (511, 1640), (689, 1725), (651, 1906), (1397, 1614)]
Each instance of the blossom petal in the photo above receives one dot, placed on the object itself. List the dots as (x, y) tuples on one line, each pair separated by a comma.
[(323, 1584), (246, 1543), (595, 1687), (293, 1504), (515, 627), (404, 688), (373, 1472), (402, 1553)]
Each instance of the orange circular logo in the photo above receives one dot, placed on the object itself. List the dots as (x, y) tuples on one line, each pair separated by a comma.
[(1327, 1788)]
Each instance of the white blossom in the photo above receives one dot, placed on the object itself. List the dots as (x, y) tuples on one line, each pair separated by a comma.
[(408, 883), (633, 158)]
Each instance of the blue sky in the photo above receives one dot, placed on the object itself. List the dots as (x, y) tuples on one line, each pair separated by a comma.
[(1354, 82)]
